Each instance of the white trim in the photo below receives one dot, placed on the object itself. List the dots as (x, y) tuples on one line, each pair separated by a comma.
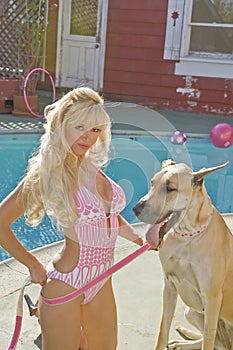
[(59, 41), (90, 39), (211, 25), (104, 14), (173, 30), (204, 68), (186, 30), (67, 12)]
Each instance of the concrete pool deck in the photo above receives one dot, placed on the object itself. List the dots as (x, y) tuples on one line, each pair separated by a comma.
[(138, 286), (138, 290)]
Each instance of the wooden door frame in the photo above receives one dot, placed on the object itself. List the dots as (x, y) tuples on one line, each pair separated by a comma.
[(103, 31)]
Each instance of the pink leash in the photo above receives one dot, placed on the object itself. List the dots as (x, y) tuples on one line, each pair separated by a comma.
[(109, 272), (73, 295), (19, 316)]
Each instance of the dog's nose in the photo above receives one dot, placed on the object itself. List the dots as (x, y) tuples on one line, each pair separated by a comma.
[(138, 208)]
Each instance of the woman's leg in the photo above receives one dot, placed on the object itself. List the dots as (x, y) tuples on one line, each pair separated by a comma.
[(60, 324), (99, 320)]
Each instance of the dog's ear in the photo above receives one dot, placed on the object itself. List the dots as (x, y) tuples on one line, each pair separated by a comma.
[(198, 176), (197, 182), (168, 162)]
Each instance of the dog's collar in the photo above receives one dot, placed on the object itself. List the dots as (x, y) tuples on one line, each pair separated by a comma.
[(197, 233)]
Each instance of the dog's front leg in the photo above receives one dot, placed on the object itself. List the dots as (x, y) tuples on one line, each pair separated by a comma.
[(211, 315), (169, 304)]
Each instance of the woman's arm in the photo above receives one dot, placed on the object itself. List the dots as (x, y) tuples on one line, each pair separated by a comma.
[(11, 208), (127, 231)]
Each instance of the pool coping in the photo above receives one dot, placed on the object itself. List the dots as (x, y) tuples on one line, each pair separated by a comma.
[(125, 121), (126, 116), (123, 132)]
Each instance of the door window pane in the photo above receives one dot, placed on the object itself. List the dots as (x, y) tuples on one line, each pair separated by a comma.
[(84, 17)]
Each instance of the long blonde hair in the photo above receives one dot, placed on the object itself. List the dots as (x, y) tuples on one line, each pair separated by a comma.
[(52, 175)]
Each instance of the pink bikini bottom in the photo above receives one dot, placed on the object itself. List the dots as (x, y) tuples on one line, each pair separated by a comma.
[(92, 263)]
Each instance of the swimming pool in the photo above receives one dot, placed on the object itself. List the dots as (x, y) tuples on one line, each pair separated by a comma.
[(134, 160)]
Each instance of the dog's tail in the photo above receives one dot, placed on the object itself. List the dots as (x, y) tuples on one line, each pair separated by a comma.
[(185, 333)]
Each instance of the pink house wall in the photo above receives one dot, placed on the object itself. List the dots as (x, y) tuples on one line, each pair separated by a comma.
[(135, 70)]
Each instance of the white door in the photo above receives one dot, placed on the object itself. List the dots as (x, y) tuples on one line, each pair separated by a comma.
[(81, 43)]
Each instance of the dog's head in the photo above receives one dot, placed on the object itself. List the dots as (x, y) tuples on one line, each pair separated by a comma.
[(171, 192)]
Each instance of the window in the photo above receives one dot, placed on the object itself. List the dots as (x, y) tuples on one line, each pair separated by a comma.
[(203, 39), (84, 17)]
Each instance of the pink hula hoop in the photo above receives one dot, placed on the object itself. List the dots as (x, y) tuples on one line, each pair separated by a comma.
[(25, 89)]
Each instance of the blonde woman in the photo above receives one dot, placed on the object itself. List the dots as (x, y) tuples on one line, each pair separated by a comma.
[(65, 181)]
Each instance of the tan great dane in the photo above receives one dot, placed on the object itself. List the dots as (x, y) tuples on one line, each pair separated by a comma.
[(196, 253)]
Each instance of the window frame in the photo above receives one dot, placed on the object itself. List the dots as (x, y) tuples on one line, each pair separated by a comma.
[(200, 65)]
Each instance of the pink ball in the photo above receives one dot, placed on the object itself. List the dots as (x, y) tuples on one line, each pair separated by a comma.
[(178, 138), (221, 135)]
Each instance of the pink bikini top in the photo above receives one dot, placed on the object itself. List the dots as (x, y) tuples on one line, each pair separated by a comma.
[(91, 213)]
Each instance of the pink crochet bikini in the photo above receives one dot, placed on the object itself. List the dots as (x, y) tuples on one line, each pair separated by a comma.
[(96, 242)]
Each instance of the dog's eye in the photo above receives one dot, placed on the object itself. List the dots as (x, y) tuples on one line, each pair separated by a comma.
[(170, 189), (170, 186)]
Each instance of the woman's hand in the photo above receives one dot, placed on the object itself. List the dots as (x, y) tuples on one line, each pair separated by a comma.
[(140, 240), (38, 273)]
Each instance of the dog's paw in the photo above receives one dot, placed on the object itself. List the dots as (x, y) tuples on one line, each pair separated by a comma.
[(184, 345)]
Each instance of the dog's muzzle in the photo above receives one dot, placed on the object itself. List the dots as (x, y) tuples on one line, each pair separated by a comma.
[(138, 208)]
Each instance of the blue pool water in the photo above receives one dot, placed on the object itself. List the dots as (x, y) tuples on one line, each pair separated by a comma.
[(134, 160)]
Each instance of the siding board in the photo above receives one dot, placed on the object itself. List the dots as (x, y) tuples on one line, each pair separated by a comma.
[(131, 40), (146, 78), (124, 65), (139, 29), (138, 4), (137, 16), (136, 53), (142, 90)]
